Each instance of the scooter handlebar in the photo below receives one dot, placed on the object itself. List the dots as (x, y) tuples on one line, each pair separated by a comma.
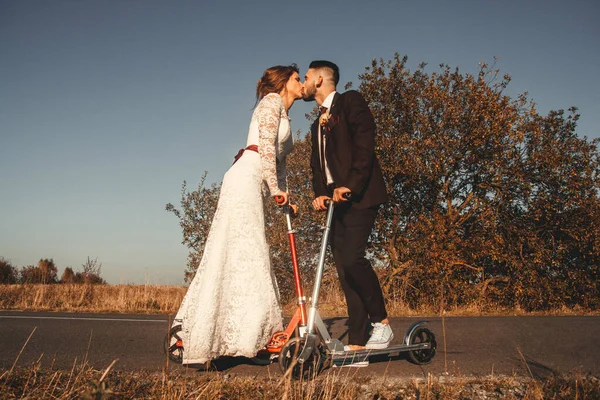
[(279, 199), (347, 195), (292, 209)]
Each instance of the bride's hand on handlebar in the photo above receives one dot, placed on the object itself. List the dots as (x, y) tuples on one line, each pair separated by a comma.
[(282, 198)]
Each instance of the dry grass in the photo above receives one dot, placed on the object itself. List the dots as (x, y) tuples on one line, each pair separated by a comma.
[(82, 381), (148, 299), (92, 298)]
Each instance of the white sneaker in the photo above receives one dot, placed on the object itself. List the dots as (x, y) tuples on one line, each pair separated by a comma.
[(381, 337)]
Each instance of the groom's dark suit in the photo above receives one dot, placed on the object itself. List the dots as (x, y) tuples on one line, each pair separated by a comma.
[(350, 151), (350, 155)]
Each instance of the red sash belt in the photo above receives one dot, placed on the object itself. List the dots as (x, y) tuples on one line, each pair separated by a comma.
[(252, 147)]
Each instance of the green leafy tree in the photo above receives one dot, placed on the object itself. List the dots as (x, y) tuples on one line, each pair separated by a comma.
[(90, 273), (555, 230), (196, 214), (471, 172), (8, 273), (68, 276), (44, 272)]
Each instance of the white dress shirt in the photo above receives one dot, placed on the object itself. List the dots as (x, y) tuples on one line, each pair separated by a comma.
[(326, 103)]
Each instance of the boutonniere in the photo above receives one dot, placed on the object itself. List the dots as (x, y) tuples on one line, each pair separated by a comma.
[(327, 121), (324, 118)]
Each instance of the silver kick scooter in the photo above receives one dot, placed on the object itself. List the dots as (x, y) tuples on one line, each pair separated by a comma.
[(304, 356)]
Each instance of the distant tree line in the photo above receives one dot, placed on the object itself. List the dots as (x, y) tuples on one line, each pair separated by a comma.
[(491, 203), (46, 272)]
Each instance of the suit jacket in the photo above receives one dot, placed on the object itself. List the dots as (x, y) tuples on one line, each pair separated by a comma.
[(350, 152)]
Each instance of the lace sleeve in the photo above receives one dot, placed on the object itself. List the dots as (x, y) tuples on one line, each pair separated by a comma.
[(282, 175), (268, 115)]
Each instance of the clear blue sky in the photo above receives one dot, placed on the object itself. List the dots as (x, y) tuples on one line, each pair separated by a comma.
[(107, 106)]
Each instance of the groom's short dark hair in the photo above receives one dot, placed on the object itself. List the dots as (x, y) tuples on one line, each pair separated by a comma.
[(327, 64)]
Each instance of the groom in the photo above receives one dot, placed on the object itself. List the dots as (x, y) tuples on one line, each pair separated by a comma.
[(343, 161)]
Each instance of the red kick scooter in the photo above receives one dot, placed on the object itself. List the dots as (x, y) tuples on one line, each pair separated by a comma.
[(298, 322)]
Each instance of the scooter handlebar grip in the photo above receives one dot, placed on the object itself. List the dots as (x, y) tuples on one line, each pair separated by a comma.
[(347, 196), (279, 199)]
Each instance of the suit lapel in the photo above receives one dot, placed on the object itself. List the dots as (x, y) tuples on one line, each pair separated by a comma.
[(334, 109)]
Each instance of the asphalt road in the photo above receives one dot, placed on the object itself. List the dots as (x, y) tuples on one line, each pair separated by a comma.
[(475, 346)]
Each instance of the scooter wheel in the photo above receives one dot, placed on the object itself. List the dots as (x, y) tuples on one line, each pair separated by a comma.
[(289, 365), (422, 335), (174, 345)]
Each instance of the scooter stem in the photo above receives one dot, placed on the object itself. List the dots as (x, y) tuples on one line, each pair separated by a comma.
[(296, 268), (320, 267)]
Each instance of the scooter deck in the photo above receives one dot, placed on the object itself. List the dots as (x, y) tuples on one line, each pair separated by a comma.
[(351, 357)]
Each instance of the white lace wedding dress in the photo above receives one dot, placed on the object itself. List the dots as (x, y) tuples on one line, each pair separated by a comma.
[(232, 305)]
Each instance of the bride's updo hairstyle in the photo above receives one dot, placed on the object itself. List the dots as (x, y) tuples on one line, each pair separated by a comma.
[(274, 80)]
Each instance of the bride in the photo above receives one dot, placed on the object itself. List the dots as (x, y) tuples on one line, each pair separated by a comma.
[(232, 305)]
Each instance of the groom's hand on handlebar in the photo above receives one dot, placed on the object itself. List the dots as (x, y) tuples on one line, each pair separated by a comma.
[(319, 203), (341, 194)]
